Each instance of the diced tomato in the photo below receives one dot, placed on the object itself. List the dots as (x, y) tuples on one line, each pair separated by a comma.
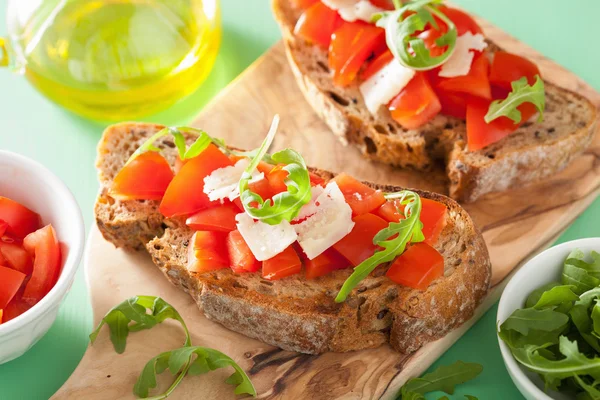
[(16, 257), (351, 45), (317, 24), (384, 4), (146, 177), (507, 68), (3, 228), (42, 245), (378, 63), (1, 315), (10, 282), (315, 179), (264, 167), (430, 36), (433, 216), (20, 219), (303, 4), (220, 219), (358, 245), (283, 264), (453, 104), (263, 188), (185, 194), (240, 256), (481, 134), (276, 178), (325, 263), (463, 21), (475, 83), (16, 307), (416, 104), (207, 252), (417, 267), (361, 198)]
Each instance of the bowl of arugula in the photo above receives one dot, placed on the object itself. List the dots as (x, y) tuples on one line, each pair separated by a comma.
[(549, 323)]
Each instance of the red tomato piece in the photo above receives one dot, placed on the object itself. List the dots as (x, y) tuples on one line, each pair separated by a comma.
[(416, 104), (303, 4), (146, 177), (264, 167), (276, 178), (430, 36), (219, 219), (1, 315), (283, 264), (475, 83), (207, 252), (10, 282), (43, 246), (317, 24), (481, 134), (185, 194), (315, 179), (16, 307), (378, 63), (240, 255), (361, 198), (507, 68), (351, 45), (358, 245), (417, 267), (325, 263), (262, 188), (3, 228), (463, 21), (384, 4), (453, 104), (20, 219), (16, 257)]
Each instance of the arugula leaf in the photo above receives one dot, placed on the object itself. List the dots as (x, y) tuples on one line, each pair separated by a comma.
[(521, 93), (579, 278), (135, 310), (285, 205), (535, 296), (522, 320), (535, 337), (592, 268), (469, 397), (400, 26), (444, 379), (596, 319), (190, 360), (393, 239), (592, 392), (556, 296)]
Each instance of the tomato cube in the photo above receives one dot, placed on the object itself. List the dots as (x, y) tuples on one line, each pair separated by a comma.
[(240, 255), (358, 245), (20, 219), (207, 252), (325, 263), (317, 24), (146, 177), (416, 104), (433, 216), (219, 219), (16, 257), (417, 267), (10, 283), (42, 245), (360, 197), (283, 264)]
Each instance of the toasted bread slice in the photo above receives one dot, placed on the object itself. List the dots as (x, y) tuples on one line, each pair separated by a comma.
[(295, 313), (534, 151)]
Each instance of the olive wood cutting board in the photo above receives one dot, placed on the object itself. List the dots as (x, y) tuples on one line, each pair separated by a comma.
[(515, 224)]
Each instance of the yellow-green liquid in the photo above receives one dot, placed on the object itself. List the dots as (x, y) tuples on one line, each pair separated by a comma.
[(120, 59)]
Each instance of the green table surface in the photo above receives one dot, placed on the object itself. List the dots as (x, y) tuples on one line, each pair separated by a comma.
[(33, 126)]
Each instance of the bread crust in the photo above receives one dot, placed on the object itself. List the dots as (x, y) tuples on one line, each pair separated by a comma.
[(294, 313), (443, 140)]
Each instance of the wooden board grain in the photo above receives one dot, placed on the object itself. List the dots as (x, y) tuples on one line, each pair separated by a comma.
[(516, 225)]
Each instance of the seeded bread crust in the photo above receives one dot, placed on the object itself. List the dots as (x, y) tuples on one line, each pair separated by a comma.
[(295, 313), (534, 151)]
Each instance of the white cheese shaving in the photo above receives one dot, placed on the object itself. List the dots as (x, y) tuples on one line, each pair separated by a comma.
[(459, 63), (353, 10), (224, 182), (385, 84), (311, 207), (331, 222), (265, 241)]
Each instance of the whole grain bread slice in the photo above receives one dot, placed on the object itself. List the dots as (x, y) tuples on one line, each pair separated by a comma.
[(295, 313), (534, 151)]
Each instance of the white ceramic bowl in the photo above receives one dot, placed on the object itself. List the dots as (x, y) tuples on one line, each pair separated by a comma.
[(543, 268), (33, 185)]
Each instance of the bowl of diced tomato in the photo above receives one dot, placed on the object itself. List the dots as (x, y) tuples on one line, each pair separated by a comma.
[(42, 237)]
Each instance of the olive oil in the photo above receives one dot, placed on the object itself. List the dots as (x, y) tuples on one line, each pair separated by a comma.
[(120, 59)]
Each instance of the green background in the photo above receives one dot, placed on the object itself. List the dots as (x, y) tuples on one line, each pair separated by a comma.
[(33, 126)]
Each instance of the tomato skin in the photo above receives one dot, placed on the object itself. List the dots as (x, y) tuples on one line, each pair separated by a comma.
[(303, 4), (325, 263), (283, 264), (146, 177), (15, 308), (276, 178), (433, 216), (15, 257), (358, 245), (42, 245), (481, 134), (378, 63), (453, 104), (416, 104), (463, 21), (3, 228), (384, 4), (361, 198), (317, 24), (240, 255), (351, 45), (315, 180), (10, 282), (219, 219), (475, 83), (20, 219), (208, 252), (507, 68), (185, 194), (417, 267)]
